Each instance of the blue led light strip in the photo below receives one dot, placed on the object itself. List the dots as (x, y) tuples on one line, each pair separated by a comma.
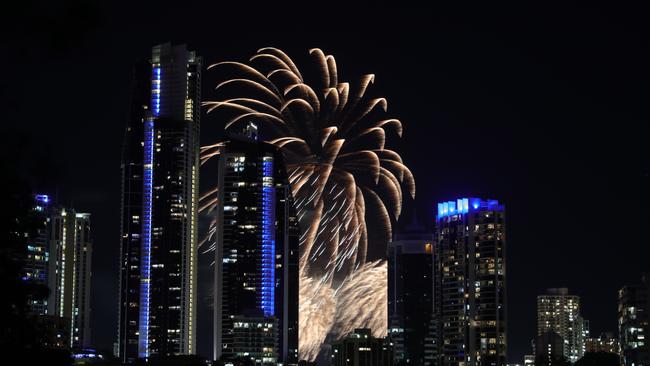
[(268, 239), (155, 91), (465, 205), (145, 261), (147, 203)]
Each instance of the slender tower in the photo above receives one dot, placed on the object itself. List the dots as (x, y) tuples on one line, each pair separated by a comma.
[(69, 271), (411, 320), (256, 257), (160, 167)]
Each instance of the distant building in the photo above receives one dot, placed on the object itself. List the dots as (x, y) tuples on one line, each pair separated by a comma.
[(559, 312), (59, 256), (470, 290), (362, 349), (634, 323), (69, 272), (256, 255), (606, 342), (159, 207), (411, 317), (38, 253)]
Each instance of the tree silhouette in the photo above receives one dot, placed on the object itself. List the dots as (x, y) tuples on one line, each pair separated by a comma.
[(599, 359), (548, 360), (20, 334)]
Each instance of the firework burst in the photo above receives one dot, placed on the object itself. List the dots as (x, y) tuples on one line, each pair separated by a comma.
[(340, 173)]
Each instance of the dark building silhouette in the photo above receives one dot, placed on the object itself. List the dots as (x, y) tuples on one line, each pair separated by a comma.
[(411, 318), (160, 172), (38, 253), (362, 349), (256, 256), (634, 323), (470, 291), (549, 346)]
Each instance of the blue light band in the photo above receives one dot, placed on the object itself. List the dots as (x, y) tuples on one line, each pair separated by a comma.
[(147, 204), (465, 205), (268, 239)]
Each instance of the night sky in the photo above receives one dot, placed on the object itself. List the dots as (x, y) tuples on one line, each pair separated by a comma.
[(543, 108)]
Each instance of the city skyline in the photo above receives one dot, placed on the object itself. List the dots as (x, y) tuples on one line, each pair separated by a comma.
[(539, 116)]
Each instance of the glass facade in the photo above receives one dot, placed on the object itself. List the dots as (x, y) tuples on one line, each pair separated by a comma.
[(160, 161), (411, 319), (256, 255)]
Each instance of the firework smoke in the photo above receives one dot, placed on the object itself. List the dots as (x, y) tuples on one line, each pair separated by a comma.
[(360, 302)]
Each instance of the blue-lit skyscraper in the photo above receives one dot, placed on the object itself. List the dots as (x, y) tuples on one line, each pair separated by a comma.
[(256, 257), (160, 172), (470, 288)]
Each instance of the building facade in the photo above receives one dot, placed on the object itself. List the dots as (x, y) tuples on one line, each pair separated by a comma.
[(634, 322), (606, 342), (69, 272), (59, 257), (255, 338), (470, 291), (362, 349), (559, 312), (38, 254), (159, 207), (412, 322), (549, 346), (256, 254)]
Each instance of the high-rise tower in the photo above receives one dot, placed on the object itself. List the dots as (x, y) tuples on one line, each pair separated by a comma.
[(470, 292), (411, 319), (69, 271), (160, 170), (634, 322), (559, 312), (38, 254), (256, 257)]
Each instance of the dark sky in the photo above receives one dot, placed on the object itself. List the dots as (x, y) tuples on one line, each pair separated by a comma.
[(544, 108)]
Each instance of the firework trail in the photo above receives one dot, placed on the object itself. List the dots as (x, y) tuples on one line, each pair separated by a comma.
[(340, 173)]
